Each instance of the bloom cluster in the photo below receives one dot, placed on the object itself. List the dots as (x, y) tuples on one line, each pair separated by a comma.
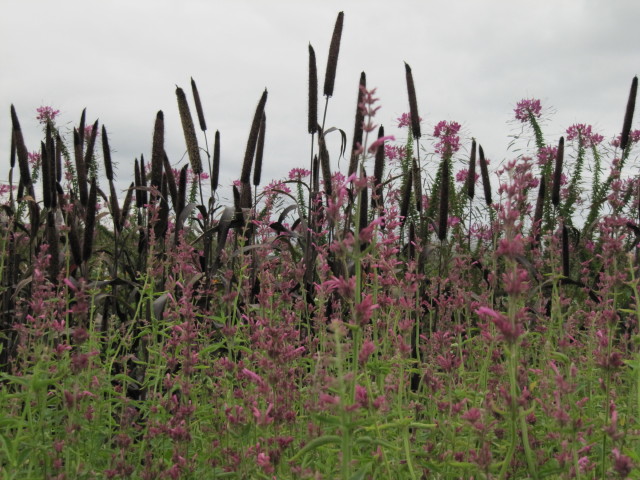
[(586, 138), (526, 107), (46, 114), (447, 132)]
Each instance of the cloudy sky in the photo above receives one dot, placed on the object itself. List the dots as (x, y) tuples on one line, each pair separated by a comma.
[(472, 61)]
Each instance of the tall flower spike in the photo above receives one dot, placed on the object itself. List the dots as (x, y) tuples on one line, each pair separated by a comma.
[(413, 103), (312, 124), (444, 200), (358, 127), (332, 62), (215, 173), (471, 175), (257, 170), (189, 132), (557, 174), (628, 116), (484, 172), (253, 139), (157, 151), (196, 100), (378, 169)]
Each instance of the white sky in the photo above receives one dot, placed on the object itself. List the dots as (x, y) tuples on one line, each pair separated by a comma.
[(472, 61)]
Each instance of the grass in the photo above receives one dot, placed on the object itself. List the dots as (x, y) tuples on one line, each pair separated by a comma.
[(323, 326)]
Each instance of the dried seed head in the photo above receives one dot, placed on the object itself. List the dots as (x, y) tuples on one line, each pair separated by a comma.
[(557, 174), (253, 139), (81, 170), (88, 156), (413, 102), (157, 151), (196, 100), (325, 164), (406, 195), (189, 132), (334, 51), (359, 125), (628, 115), (471, 175), (444, 200), (378, 171), (257, 170), (216, 162), (417, 185), (23, 154), (90, 221), (484, 173), (106, 153), (312, 124)]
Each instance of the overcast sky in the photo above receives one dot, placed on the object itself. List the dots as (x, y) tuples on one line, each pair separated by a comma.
[(472, 61)]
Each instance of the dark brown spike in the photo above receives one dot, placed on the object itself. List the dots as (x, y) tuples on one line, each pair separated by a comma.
[(137, 183), (364, 204), (171, 180), (406, 195), (12, 156), (245, 196), (115, 207), (53, 240), (253, 139), (46, 176), (182, 190), (59, 147), (413, 102), (90, 221), (81, 171), (23, 154), (359, 125), (126, 207), (215, 173), (334, 51), (51, 160), (143, 181), (315, 167), (325, 164), (74, 242), (106, 154), (81, 128), (236, 199), (160, 228), (484, 173), (417, 185), (88, 156), (557, 174), (628, 114), (378, 171), (471, 174), (257, 170), (537, 216), (198, 103), (412, 241), (444, 200), (189, 132), (312, 124), (565, 252), (157, 151)]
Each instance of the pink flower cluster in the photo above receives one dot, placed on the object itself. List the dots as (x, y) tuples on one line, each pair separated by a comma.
[(526, 107), (46, 114), (634, 137), (584, 135), (404, 120), (298, 173), (447, 132)]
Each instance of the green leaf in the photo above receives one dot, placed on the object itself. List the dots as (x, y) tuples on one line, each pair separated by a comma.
[(316, 443)]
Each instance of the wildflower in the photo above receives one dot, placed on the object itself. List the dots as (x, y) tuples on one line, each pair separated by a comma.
[(380, 141), (510, 331), (46, 114), (298, 173), (447, 132), (34, 159), (368, 347), (394, 152), (621, 463), (586, 138), (365, 309), (634, 137), (526, 108), (404, 120)]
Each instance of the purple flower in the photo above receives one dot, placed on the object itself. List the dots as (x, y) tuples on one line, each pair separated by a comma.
[(621, 463), (298, 173), (404, 120), (526, 108)]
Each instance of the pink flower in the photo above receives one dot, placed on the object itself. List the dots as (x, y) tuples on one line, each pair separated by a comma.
[(380, 141), (366, 350), (621, 463), (404, 120), (365, 309), (447, 132), (46, 114), (298, 173), (394, 152), (586, 138), (526, 108)]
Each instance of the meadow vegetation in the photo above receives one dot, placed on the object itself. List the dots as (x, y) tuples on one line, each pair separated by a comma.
[(425, 314)]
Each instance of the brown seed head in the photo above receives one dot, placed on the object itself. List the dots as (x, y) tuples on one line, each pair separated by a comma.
[(334, 51)]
